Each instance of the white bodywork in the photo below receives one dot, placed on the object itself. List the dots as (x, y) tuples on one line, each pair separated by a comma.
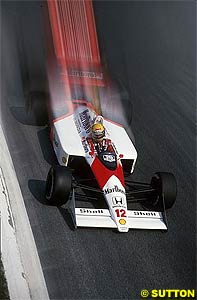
[(71, 135), (135, 219), (69, 139)]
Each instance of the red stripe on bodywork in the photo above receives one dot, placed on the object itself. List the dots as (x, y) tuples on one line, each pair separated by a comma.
[(102, 174)]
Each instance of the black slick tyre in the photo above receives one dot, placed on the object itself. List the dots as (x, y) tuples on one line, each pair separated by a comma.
[(166, 189), (58, 185), (36, 107)]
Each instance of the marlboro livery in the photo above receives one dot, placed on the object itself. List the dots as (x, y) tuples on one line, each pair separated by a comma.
[(72, 139), (83, 136)]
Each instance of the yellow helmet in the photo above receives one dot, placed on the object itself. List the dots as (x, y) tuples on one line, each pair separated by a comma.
[(98, 132)]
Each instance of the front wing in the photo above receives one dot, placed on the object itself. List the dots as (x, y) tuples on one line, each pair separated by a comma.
[(88, 217), (96, 217)]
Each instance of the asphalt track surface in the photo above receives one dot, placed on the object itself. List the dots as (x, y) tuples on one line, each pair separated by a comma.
[(151, 46)]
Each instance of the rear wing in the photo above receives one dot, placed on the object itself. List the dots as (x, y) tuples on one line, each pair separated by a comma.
[(75, 41)]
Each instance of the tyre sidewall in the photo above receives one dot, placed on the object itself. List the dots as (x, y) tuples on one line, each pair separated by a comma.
[(58, 185), (165, 186)]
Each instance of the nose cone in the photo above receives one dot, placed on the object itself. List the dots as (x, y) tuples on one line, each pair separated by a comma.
[(114, 193), (122, 224), (123, 228)]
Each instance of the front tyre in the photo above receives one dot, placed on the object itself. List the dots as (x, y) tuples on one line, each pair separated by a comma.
[(166, 189), (58, 185)]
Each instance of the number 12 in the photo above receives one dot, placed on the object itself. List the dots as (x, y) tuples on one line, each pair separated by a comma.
[(120, 213)]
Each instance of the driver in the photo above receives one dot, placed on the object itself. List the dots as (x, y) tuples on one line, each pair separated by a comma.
[(100, 141), (98, 132)]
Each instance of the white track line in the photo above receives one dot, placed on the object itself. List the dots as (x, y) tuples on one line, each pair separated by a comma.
[(19, 254)]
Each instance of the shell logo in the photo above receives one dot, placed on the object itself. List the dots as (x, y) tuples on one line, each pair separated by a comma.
[(122, 221)]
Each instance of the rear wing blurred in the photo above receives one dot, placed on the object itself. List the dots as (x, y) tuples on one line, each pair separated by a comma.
[(75, 41)]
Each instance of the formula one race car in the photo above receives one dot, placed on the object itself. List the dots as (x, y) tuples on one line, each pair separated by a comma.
[(94, 151), (109, 156), (90, 121)]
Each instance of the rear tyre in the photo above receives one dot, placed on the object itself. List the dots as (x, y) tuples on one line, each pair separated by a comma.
[(58, 185), (166, 189), (37, 111)]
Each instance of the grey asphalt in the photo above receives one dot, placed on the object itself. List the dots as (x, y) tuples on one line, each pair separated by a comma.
[(151, 46)]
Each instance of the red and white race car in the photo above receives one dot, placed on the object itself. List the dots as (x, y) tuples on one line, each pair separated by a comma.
[(79, 94), (106, 166)]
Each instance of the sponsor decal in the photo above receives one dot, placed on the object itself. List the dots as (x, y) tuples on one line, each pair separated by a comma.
[(168, 294), (145, 213), (115, 189), (78, 125), (86, 74), (122, 221), (85, 145), (91, 211), (109, 158), (85, 120), (118, 200)]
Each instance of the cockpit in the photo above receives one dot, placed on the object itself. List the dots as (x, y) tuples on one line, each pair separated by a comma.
[(105, 151), (108, 159)]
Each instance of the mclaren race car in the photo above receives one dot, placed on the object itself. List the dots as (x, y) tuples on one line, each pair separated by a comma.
[(110, 156), (96, 154)]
